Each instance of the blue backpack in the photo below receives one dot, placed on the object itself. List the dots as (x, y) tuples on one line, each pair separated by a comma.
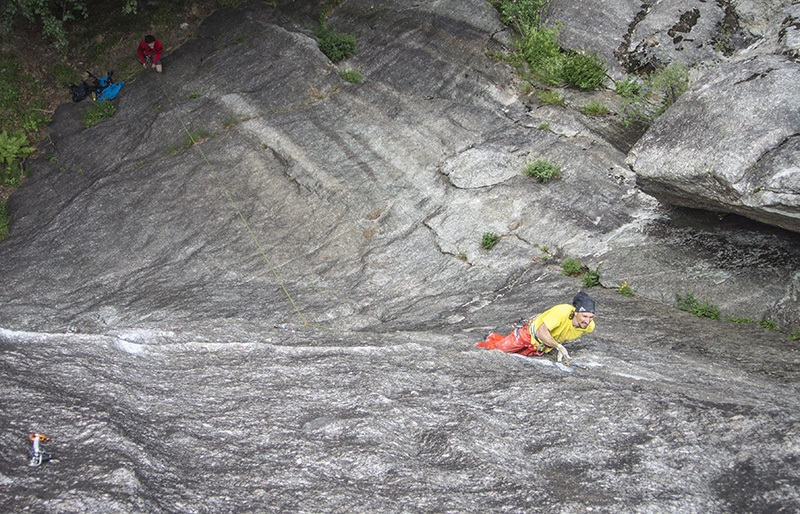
[(101, 88), (109, 92), (106, 89)]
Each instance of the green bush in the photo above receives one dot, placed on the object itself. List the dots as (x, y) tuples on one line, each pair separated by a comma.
[(97, 113), (335, 45), (628, 88), (542, 170), (571, 267), (594, 109), (585, 72), (592, 277), (548, 97), (521, 15), (351, 76), (21, 103), (538, 47), (669, 85), (13, 149), (657, 92), (489, 240), (689, 304), (3, 221), (768, 324)]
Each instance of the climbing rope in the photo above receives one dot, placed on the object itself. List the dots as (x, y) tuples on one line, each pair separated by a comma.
[(235, 207)]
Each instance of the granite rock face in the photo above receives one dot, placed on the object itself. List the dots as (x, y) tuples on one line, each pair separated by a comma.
[(258, 287), (642, 36), (731, 144)]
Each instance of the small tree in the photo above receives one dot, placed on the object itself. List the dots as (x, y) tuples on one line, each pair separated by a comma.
[(52, 15)]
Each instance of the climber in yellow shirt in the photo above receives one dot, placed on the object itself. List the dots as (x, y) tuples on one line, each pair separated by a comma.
[(548, 330)]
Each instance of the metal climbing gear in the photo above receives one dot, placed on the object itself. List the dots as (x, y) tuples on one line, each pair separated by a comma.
[(37, 455)]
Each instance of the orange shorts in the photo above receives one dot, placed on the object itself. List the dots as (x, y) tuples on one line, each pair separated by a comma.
[(518, 341)]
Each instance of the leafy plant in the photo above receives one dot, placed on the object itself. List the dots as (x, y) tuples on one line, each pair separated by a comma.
[(51, 15), (544, 126), (192, 139), (489, 240), (592, 277), (628, 88), (625, 290), (594, 109), (335, 45), (13, 148), (669, 85), (351, 76), (21, 103), (585, 72), (521, 15), (542, 170), (795, 336), (655, 95), (571, 267), (689, 304), (97, 113), (3, 221), (548, 97), (539, 48), (546, 254), (768, 324), (193, 95)]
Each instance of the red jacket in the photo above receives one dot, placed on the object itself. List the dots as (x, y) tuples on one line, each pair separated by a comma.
[(144, 51)]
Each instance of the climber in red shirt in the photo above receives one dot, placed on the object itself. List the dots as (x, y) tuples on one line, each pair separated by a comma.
[(150, 52)]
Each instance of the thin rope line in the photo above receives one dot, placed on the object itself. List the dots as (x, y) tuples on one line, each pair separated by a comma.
[(236, 208)]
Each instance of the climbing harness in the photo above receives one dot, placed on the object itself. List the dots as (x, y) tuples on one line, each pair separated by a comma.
[(37, 455)]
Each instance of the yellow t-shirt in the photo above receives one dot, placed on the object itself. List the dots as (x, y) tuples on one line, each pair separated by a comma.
[(560, 326)]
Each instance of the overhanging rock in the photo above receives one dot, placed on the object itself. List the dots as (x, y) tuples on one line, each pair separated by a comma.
[(730, 144)]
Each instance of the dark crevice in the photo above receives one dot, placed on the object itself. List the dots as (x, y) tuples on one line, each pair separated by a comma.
[(685, 24), (622, 54)]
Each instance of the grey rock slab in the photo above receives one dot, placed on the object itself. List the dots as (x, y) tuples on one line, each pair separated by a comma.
[(308, 419), (641, 36), (279, 317), (594, 27)]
